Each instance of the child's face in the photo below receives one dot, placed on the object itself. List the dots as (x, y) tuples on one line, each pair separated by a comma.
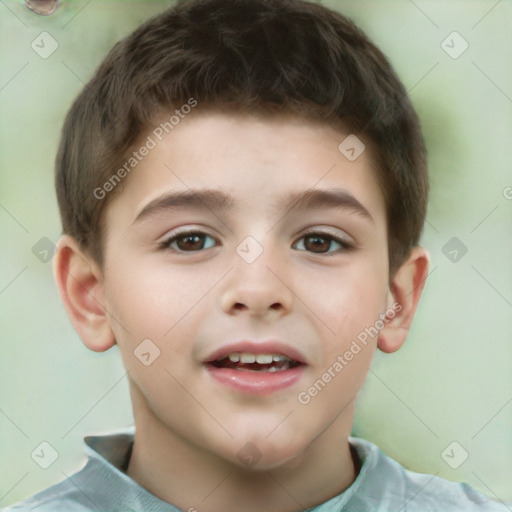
[(266, 269)]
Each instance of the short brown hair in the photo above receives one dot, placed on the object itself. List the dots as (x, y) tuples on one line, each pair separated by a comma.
[(254, 55)]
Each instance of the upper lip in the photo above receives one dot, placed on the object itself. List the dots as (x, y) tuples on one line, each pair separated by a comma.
[(257, 347)]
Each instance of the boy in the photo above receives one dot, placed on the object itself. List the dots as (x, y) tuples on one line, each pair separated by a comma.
[(242, 188)]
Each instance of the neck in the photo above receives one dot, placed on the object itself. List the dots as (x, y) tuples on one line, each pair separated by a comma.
[(193, 479)]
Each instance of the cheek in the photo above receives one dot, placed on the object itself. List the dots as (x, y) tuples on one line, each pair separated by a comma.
[(353, 302), (350, 318), (150, 308), (140, 306), (148, 300)]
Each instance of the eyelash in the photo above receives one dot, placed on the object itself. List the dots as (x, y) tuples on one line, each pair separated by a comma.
[(344, 245), (326, 236)]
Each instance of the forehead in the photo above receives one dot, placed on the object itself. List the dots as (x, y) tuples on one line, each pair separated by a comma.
[(256, 161)]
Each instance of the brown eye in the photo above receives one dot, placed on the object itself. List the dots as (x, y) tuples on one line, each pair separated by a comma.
[(320, 243), (188, 242), (316, 243)]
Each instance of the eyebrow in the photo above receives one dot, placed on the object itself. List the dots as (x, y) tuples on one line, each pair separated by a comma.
[(218, 201), (315, 199), (206, 199)]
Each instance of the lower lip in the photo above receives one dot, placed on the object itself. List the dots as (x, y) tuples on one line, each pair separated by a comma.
[(256, 383)]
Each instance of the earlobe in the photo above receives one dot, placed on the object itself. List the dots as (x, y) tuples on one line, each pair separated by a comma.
[(80, 286), (403, 298)]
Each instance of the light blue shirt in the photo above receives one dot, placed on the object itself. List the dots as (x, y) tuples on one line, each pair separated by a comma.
[(382, 485)]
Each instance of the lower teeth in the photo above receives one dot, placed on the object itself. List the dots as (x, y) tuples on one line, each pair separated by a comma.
[(272, 369), (276, 366)]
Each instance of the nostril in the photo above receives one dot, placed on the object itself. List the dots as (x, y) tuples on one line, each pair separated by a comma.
[(239, 306), (42, 7)]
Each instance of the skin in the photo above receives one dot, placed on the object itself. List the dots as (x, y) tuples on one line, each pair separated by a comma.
[(311, 293)]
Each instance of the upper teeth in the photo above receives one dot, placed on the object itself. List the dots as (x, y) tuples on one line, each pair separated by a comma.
[(246, 357)]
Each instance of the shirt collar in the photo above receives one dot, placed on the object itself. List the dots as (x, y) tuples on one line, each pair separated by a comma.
[(113, 450)]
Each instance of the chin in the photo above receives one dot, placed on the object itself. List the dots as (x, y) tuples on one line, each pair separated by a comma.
[(264, 455)]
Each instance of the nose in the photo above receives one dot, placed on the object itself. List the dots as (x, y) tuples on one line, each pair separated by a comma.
[(262, 288)]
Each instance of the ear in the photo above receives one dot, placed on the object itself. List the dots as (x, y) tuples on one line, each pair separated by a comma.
[(403, 296), (80, 284)]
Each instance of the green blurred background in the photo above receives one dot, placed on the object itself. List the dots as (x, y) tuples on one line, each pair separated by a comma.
[(452, 381)]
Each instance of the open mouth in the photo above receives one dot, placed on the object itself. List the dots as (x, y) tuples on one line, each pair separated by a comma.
[(244, 361), (256, 367), (260, 374)]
